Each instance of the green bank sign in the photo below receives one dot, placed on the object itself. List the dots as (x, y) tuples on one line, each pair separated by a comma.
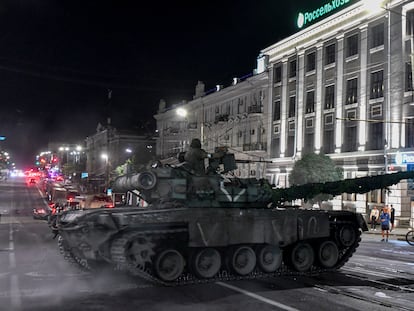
[(308, 17)]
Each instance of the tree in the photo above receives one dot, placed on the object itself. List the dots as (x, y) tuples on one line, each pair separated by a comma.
[(315, 168)]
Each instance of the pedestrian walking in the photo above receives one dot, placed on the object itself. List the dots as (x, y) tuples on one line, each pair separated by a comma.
[(374, 216), (385, 224), (392, 218)]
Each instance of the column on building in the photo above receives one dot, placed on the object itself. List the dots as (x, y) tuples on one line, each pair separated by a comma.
[(300, 103), (318, 106), (284, 102), (339, 93), (364, 89)]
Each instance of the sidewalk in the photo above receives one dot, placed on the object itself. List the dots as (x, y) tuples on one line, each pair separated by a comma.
[(397, 233)]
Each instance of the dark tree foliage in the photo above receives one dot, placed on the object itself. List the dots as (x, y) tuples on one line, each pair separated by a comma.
[(313, 168)]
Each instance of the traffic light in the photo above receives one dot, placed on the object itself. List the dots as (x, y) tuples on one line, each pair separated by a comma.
[(2, 137)]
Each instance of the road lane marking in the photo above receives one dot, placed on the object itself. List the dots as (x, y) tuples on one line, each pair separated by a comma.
[(15, 297), (258, 297)]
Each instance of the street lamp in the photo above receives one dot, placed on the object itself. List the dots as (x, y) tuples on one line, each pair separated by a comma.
[(106, 158)]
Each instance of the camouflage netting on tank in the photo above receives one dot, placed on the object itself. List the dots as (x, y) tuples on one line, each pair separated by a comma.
[(356, 185)]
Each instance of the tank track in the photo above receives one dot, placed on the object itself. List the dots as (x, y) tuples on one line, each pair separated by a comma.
[(146, 275)]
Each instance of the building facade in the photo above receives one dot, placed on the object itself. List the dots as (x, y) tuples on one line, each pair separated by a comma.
[(109, 148), (233, 116), (343, 87)]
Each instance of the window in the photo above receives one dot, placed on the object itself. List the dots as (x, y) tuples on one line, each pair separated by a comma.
[(329, 97), (292, 106), (377, 84), (329, 119), (352, 91), (409, 133), (352, 45), (275, 147), (330, 54), (376, 139), (408, 77), (290, 146), (309, 123), (292, 69), (377, 35), (278, 74), (276, 113), (310, 61), (376, 111), (328, 141), (291, 126), (308, 143), (350, 138), (410, 23), (276, 129), (310, 102)]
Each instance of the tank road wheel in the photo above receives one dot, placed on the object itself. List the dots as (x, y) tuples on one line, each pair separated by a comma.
[(206, 262), (269, 258), (139, 252), (347, 235), (301, 257), (242, 260), (328, 254), (169, 265)]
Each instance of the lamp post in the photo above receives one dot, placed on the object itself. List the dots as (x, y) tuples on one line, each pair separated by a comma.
[(106, 158)]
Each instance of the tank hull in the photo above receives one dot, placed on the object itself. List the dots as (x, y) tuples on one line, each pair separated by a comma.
[(175, 245)]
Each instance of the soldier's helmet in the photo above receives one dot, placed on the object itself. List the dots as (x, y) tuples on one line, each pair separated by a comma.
[(195, 143)]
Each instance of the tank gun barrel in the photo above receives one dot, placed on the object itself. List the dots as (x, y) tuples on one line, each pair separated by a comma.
[(356, 185), (140, 181)]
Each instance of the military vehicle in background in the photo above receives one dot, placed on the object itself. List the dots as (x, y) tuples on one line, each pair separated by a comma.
[(209, 227)]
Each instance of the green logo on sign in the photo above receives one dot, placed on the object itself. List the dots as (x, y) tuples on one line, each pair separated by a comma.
[(307, 17)]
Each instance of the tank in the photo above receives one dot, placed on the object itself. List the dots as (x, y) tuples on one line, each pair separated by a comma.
[(209, 227)]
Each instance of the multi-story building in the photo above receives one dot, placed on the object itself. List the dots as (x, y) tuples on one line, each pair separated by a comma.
[(110, 147), (343, 86), (233, 116)]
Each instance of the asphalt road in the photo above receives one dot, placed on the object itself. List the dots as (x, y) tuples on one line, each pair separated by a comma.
[(34, 276)]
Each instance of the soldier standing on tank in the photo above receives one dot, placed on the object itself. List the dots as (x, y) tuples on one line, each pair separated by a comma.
[(195, 157)]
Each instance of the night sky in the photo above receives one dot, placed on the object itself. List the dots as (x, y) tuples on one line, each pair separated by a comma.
[(59, 58)]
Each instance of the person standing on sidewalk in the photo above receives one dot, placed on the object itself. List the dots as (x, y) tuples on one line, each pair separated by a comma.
[(385, 223), (374, 216), (392, 218)]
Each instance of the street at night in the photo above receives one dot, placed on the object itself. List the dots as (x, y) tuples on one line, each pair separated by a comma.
[(34, 276)]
